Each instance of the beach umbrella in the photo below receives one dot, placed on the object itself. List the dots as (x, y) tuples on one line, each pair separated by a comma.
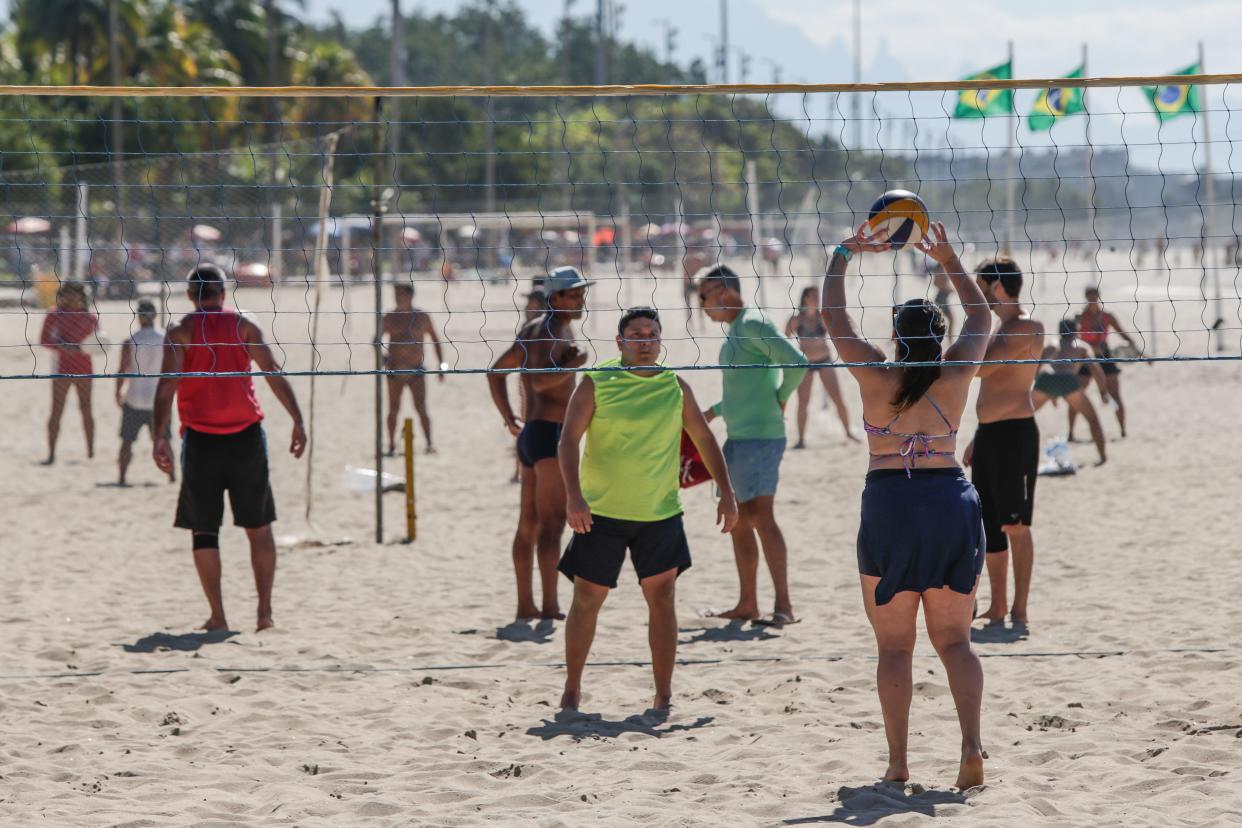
[(29, 226), (205, 233)]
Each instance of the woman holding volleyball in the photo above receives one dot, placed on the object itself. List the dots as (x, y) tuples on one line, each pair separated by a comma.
[(920, 541)]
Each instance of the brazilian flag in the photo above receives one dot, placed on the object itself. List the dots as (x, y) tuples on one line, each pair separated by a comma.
[(1175, 99), (1055, 103), (980, 103)]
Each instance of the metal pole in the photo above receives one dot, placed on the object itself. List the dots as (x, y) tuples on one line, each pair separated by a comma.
[(857, 101), (80, 241), (1210, 218), (277, 259), (397, 72), (567, 55), (489, 124), (118, 135), (377, 267), (1011, 173), (724, 41), (601, 65), (1089, 154)]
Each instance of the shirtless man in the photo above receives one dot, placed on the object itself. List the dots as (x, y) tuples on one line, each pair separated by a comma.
[(546, 342), (1063, 381), (1004, 456), (406, 328)]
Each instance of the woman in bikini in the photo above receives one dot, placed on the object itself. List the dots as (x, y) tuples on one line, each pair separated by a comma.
[(920, 541), (808, 327), (1094, 325), (1063, 382), (65, 329)]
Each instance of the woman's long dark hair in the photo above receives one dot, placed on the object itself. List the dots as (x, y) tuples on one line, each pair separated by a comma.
[(919, 328)]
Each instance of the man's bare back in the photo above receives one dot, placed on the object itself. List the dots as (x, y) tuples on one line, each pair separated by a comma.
[(1005, 390)]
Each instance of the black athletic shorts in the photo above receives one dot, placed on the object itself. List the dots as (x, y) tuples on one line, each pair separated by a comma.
[(538, 441), (212, 464), (134, 420), (1004, 469), (655, 547)]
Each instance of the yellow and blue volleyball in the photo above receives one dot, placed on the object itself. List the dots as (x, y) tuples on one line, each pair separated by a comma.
[(902, 216)]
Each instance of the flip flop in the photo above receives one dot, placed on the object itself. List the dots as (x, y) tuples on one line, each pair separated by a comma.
[(776, 619)]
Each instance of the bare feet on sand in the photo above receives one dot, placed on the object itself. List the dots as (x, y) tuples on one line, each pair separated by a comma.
[(970, 774), (740, 612), (570, 699), (265, 622), (214, 624), (995, 614), (529, 612), (897, 772), (553, 614), (662, 702)]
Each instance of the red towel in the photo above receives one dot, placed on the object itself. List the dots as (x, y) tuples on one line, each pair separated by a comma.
[(693, 469)]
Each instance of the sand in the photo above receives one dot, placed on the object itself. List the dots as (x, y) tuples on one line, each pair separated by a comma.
[(396, 690)]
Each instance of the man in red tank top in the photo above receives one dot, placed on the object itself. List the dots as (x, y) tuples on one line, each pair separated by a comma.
[(223, 447)]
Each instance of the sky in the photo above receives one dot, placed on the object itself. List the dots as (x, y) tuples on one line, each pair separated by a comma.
[(903, 40)]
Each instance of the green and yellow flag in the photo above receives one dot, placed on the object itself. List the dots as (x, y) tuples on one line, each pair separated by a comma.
[(1172, 100), (1055, 103), (980, 103)]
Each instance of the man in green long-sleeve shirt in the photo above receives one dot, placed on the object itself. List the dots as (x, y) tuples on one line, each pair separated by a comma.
[(753, 408)]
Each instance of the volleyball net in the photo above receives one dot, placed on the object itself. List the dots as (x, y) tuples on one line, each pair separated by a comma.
[(316, 202)]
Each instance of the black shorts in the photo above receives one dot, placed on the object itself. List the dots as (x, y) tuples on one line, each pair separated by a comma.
[(212, 464), (134, 420), (538, 441), (1004, 469), (1109, 368), (655, 547)]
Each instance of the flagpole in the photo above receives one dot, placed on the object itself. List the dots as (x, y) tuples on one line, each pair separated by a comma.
[(1011, 172), (1089, 154), (1210, 218)]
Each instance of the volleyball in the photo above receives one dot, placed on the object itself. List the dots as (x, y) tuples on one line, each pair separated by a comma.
[(901, 215)]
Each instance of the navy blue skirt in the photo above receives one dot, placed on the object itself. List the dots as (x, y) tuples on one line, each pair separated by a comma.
[(920, 532)]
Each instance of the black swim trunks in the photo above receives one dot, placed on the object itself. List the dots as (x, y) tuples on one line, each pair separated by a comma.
[(1004, 469), (1109, 368), (920, 530), (655, 547), (538, 441), (212, 464)]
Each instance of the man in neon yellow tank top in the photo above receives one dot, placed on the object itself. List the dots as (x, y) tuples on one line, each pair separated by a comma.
[(625, 494)]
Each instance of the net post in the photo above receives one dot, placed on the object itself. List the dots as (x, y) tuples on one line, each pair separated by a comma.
[(62, 252), (377, 267), (83, 252), (277, 261), (411, 513), (1011, 173), (626, 239), (1210, 228)]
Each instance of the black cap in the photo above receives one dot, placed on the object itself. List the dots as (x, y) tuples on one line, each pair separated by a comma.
[(146, 306)]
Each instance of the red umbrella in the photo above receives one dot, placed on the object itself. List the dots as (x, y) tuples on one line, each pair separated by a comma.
[(29, 226)]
